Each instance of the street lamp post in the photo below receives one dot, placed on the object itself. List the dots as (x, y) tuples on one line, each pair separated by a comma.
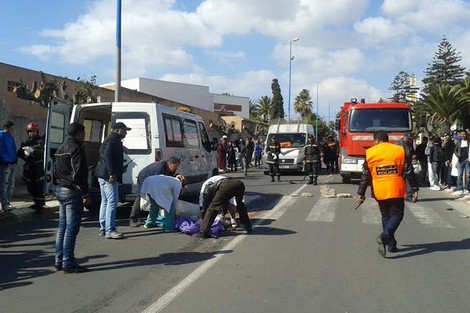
[(290, 71), (316, 116)]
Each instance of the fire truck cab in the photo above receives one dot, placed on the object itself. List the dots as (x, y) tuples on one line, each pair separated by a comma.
[(356, 123)]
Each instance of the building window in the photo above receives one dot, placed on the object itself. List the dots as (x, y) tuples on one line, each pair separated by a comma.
[(11, 85)]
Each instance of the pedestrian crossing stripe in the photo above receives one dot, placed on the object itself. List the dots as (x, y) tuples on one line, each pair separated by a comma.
[(324, 210)]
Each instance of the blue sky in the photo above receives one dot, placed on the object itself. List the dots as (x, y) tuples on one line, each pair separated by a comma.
[(350, 48)]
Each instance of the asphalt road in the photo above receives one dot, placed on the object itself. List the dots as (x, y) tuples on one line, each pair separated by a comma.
[(307, 254)]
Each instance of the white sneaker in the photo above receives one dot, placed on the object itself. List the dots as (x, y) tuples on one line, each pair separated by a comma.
[(435, 188), (465, 192), (452, 188)]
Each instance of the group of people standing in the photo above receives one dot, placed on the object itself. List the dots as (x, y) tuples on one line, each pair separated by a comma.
[(31, 151), (239, 153)]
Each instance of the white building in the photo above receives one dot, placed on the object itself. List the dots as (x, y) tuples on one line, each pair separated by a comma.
[(193, 95)]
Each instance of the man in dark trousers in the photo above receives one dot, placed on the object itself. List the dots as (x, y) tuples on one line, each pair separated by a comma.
[(272, 158), (216, 197), (71, 178), (32, 153), (407, 143), (387, 167), (312, 156), (109, 172), (167, 168)]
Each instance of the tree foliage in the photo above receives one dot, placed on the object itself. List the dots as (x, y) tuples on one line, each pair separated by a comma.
[(277, 102), (303, 103), (401, 86), (444, 68), (263, 108), (86, 92)]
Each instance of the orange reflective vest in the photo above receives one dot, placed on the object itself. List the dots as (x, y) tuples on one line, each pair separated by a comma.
[(386, 162)]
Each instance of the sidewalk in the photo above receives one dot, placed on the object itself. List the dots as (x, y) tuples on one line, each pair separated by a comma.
[(21, 201)]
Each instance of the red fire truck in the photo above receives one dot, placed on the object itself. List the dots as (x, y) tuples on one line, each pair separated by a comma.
[(356, 124)]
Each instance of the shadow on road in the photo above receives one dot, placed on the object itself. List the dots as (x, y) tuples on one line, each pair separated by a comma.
[(426, 248), (177, 258)]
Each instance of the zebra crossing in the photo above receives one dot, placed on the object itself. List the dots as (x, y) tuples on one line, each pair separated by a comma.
[(326, 210)]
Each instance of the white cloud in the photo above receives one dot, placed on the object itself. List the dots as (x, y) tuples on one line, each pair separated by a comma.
[(380, 29)]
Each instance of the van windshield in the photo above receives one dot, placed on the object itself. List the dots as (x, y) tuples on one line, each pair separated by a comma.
[(289, 140), (370, 120)]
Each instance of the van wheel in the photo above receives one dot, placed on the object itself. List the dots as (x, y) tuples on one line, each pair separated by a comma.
[(346, 180)]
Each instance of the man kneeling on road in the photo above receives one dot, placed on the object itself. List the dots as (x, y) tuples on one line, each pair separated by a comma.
[(216, 194)]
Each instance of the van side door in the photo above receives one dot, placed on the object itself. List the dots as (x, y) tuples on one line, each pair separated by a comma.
[(209, 156), (58, 119)]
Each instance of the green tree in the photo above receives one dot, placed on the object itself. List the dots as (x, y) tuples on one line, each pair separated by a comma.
[(263, 107), (277, 106), (253, 109), (86, 92), (400, 86), (444, 105), (303, 103), (444, 67)]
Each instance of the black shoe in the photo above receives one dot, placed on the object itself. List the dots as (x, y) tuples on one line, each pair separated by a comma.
[(58, 268), (278, 179), (135, 224), (76, 269), (382, 249), (272, 179), (392, 248)]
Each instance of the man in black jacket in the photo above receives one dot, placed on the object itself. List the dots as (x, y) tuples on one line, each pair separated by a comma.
[(109, 172), (312, 157), (71, 178), (272, 159), (32, 153)]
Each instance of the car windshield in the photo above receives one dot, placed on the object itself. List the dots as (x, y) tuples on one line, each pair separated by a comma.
[(397, 120), (289, 140)]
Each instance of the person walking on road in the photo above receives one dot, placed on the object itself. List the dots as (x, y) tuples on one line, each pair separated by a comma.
[(8, 160), (109, 172), (312, 156), (273, 150), (167, 168), (258, 153), (32, 152), (386, 166), (71, 178), (216, 196)]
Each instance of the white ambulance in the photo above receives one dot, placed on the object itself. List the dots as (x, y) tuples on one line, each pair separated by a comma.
[(158, 132)]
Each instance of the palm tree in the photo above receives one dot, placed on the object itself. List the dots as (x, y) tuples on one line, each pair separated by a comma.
[(303, 103), (263, 107), (253, 109), (445, 105)]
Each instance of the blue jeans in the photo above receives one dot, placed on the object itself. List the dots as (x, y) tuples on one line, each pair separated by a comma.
[(7, 183), (463, 166), (109, 203), (70, 218), (392, 211)]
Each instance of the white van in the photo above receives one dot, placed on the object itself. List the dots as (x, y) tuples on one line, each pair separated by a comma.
[(292, 138), (158, 132)]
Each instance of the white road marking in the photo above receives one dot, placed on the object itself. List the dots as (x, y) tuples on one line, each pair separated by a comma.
[(427, 216), (323, 211), (174, 292), (370, 212)]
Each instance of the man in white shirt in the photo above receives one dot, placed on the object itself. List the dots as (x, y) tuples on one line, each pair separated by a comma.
[(163, 192)]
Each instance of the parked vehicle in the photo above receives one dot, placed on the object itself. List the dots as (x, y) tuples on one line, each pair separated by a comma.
[(356, 124), (158, 132), (292, 138)]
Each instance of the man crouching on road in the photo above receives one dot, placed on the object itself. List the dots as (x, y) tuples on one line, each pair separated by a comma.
[(385, 165), (71, 178), (216, 193)]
